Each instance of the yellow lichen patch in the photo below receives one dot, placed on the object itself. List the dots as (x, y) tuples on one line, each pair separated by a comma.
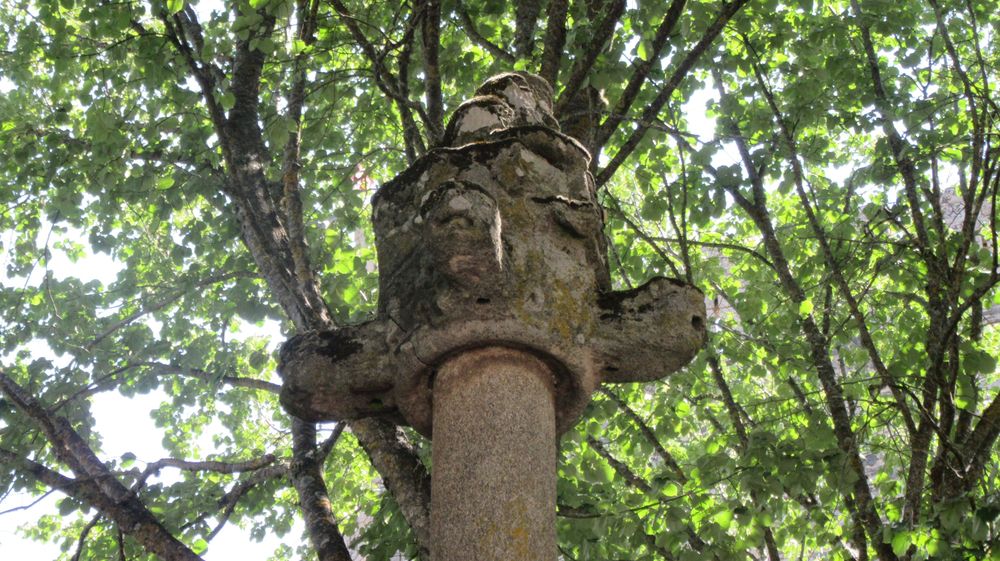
[(567, 310)]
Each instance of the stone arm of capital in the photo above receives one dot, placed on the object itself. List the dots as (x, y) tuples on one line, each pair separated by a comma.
[(372, 369), (650, 331), (340, 374)]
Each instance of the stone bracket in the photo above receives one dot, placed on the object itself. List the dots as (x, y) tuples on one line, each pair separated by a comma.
[(376, 369)]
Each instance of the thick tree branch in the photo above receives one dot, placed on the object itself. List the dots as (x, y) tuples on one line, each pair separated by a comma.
[(430, 19), (403, 473), (555, 40), (598, 40), (266, 237), (525, 19), (94, 485), (291, 192), (42, 474), (978, 448), (640, 72), (279, 257), (940, 281), (411, 132), (649, 115), (470, 30), (307, 477)]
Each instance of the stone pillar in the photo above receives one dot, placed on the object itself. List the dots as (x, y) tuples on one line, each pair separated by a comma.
[(493, 482), (497, 319)]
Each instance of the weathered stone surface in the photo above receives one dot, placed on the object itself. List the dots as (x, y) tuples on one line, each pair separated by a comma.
[(528, 95), (344, 374), (496, 241), (665, 316), (475, 119)]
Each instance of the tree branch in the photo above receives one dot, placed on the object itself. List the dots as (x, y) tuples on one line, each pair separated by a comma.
[(231, 499), (307, 477), (470, 30), (94, 484), (555, 40), (166, 301), (898, 146), (637, 482), (640, 72), (411, 133), (617, 211), (598, 39), (977, 448), (431, 34), (834, 268), (525, 19), (384, 79), (817, 342), (82, 539), (291, 195), (208, 465), (160, 368), (403, 473), (646, 431), (649, 115), (206, 80), (266, 238)]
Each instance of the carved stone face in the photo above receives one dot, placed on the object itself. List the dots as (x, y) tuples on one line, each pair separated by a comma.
[(493, 231)]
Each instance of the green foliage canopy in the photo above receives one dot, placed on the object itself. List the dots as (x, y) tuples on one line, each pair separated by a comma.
[(826, 171)]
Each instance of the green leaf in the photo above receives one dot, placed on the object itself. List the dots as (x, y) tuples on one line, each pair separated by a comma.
[(174, 6), (682, 409), (900, 542), (723, 518), (67, 506), (805, 307), (606, 472), (127, 459)]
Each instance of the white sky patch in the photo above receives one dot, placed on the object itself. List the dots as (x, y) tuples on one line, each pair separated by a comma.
[(95, 266), (125, 425), (11, 543)]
